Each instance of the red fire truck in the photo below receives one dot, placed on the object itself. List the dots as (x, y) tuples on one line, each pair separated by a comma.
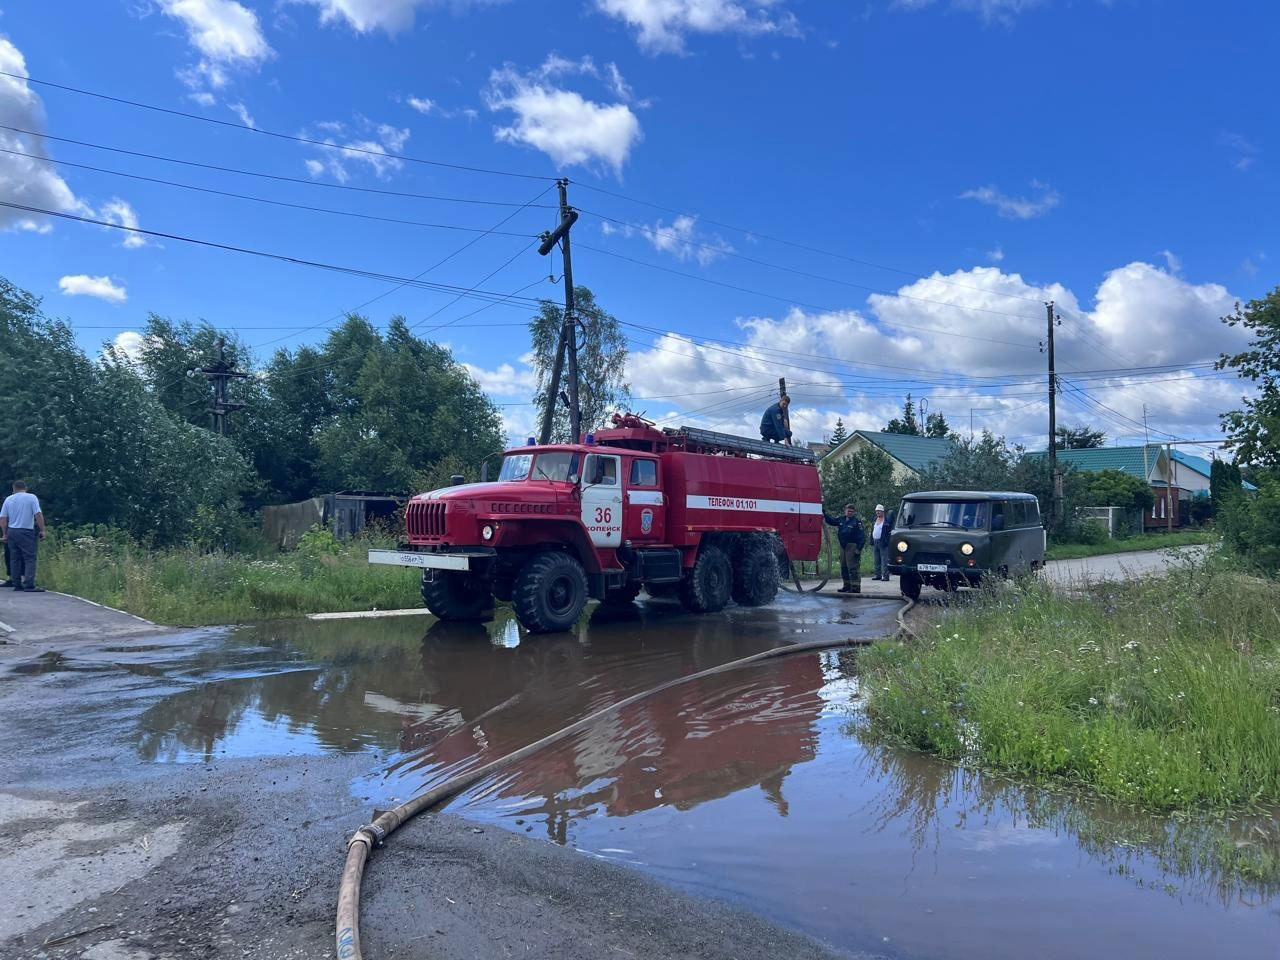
[(708, 516)]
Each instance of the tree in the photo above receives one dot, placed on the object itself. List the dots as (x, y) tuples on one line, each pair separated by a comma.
[(1115, 488), (1224, 483), (839, 435), (1078, 438), (907, 423), (602, 361), (400, 411), (1253, 431), (935, 425), (863, 478)]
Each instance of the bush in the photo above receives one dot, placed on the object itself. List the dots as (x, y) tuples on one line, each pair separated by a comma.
[(1251, 526)]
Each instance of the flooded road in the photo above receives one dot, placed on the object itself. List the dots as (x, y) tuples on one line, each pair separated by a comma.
[(759, 788)]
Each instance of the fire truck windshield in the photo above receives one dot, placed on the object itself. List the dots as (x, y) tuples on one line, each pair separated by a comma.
[(515, 467), (555, 466)]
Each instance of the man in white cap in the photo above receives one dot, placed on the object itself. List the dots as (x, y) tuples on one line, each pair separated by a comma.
[(880, 533)]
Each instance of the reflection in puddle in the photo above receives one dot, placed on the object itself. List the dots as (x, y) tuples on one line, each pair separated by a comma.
[(755, 787), (758, 788)]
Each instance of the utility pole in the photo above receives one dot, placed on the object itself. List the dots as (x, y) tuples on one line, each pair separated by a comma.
[(1053, 418), (568, 341), (1168, 490), (219, 373), (786, 414)]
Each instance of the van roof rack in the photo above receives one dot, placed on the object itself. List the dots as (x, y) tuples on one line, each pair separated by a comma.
[(709, 441)]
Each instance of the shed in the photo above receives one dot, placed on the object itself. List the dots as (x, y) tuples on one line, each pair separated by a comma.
[(344, 513)]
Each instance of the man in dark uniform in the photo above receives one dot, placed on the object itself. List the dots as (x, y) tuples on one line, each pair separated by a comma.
[(775, 425), (852, 538)]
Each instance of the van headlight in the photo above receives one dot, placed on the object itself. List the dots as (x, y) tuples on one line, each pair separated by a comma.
[(487, 532), (966, 548), (902, 546)]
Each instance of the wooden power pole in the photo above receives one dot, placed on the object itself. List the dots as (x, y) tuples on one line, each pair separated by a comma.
[(1054, 476), (219, 373), (568, 342)]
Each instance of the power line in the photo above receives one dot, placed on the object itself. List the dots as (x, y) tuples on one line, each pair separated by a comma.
[(828, 309), (789, 243), (419, 276), (284, 258), (721, 250), (280, 178), (381, 154), (268, 200)]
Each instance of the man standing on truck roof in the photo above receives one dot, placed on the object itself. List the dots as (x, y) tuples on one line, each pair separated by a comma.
[(775, 425), (852, 538)]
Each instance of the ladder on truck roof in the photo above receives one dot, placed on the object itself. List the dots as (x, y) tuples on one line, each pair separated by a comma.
[(712, 442)]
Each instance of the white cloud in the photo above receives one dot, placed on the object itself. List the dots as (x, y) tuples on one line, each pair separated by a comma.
[(82, 285), (662, 26), (506, 380), (204, 98), (120, 212), (567, 127), (996, 254), (423, 105), (1172, 260), (24, 176), (1016, 208), (1250, 264), (374, 147), (990, 11), (364, 16), (129, 345), (1142, 316), (682, 240), (241, 111), (225, 33), (1245, 151)]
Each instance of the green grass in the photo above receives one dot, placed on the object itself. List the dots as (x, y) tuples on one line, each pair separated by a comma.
[(1142, 541), (189, 587), (1163, 693)]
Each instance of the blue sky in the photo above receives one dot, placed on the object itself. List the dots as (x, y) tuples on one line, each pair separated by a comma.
[(956, 162)]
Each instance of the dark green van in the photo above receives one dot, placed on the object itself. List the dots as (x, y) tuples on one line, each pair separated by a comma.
[(952, 538)]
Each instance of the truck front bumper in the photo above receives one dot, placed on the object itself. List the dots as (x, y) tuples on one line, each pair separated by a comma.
[(431, 560)]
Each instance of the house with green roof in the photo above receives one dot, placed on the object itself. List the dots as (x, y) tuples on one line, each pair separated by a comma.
[(911, 455), (1170, 474)]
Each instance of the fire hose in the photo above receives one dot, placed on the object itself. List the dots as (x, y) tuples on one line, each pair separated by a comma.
[(363, 841)]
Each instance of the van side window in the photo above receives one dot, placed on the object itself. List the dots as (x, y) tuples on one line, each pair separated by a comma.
[(998, 514), (1033, 512), (644, 473), (1019, 513)]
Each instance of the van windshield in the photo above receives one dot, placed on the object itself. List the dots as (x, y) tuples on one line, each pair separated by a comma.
[(961, 514)]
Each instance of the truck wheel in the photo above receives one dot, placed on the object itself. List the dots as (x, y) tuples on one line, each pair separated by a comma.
[(755, 579), (550, 593), (623, 596), (453, 595), (910, 584), (705, 588)]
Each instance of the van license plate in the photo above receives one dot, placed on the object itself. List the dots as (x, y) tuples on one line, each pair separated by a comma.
[(931, 567)]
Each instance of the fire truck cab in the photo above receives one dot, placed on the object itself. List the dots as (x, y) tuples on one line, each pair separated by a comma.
[(709, 516)]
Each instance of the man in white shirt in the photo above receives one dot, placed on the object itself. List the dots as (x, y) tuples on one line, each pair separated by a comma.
[(22, 527), (880, 534)]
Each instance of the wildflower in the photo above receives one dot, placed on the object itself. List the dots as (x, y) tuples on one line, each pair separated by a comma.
[(1093, 702)]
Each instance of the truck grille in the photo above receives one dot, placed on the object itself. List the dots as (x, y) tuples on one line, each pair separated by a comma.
[(424, 518)]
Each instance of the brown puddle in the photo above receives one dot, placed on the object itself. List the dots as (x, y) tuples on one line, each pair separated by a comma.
[(757, 787)]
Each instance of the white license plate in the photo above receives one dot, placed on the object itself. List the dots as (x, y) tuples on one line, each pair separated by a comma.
[(931, 567), (434, 561)]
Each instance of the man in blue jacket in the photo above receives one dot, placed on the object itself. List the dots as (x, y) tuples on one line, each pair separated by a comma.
[(775, 425), (852, 538)]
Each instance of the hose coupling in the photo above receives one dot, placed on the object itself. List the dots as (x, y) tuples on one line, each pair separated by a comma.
[(369, 832)]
